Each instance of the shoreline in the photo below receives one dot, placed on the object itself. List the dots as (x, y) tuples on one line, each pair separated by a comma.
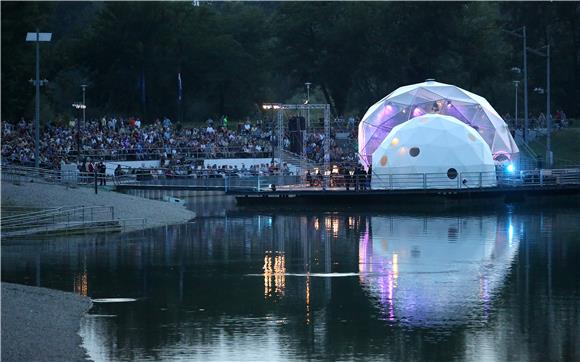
[(40, 324), (42, 195)]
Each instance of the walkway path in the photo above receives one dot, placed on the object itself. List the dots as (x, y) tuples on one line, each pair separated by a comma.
[(41, 195)]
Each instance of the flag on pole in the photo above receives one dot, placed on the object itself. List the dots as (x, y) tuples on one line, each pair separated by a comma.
[(142, 84), (179, 87)]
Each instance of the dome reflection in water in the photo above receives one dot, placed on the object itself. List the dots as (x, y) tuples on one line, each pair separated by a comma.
[(425, 271)]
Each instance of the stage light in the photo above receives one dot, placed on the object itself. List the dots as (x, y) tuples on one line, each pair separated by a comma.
[(511, 168)]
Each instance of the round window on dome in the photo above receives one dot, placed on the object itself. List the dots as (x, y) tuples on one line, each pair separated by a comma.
[(452, 173), (414, 151)]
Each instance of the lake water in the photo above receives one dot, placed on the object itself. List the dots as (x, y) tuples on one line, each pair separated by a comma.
[(349, 285)]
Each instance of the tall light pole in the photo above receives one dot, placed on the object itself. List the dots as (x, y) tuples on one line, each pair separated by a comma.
[(84, 87), (549, 156), (79, 106), (516, 83), (525, 86), (549, 115), (304, 133), (524, 37), (37, 37), (307, 102)]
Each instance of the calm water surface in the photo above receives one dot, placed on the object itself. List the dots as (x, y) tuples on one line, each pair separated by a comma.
[(498, 286)]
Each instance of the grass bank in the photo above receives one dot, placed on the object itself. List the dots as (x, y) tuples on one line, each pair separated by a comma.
[(565, 146)]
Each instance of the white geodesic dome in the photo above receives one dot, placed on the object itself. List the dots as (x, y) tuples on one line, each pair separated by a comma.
[(432, 97), (433, 151)]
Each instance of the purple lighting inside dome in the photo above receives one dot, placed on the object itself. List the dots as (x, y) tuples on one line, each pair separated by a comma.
[(417, 112), (386, 112)]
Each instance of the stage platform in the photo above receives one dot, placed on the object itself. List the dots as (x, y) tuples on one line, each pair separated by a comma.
[(317, 196)]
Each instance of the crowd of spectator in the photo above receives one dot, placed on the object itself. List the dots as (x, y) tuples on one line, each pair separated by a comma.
[(538, 122), (116, 138)]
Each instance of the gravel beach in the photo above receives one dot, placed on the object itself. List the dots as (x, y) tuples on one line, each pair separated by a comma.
[(40, 324), (42, 195)]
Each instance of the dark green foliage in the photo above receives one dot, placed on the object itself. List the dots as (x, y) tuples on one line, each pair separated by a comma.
[(234, 56)]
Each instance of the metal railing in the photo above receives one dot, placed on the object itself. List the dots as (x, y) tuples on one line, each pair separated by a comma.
[(66, 220), (260, 183), (435, 180), (551, 177), (22, 174), (157, 153), (229, 181), (422, 181), (64, 215)]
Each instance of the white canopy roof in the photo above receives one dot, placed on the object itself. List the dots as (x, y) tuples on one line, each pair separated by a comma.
[(433, 97)]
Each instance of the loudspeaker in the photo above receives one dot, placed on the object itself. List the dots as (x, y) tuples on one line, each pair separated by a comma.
[(297, 124), (296, 127)]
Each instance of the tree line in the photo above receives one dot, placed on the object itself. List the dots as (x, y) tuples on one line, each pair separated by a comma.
[(188, 62)]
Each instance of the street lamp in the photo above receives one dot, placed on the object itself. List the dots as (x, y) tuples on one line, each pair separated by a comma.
[(549, 156), (82, 106), (84, 87), (37, 37), (304, 133), (308, 102), (524, 37), (516, 72), (516, 84)]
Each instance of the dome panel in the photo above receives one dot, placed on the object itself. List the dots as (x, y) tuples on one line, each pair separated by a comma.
[(444, 142), (408, 102)]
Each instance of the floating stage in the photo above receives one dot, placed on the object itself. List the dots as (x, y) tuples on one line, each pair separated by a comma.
[(317, 197)]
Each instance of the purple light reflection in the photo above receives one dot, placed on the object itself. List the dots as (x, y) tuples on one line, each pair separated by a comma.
[(390, 287), (363, 253)]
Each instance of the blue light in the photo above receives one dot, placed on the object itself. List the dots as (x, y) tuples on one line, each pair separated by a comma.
[(511, 168)]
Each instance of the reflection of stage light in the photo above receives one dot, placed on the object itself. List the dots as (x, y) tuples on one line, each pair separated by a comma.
[(308, 298), (274, 270), (81, 284), (421, 278)]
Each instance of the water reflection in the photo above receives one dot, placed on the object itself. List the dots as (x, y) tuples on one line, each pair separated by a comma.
[(322, 286), (426, 271), (276, 273)]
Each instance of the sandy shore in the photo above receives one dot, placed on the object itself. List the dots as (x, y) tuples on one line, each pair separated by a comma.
[(40, 324), (41, 195)]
